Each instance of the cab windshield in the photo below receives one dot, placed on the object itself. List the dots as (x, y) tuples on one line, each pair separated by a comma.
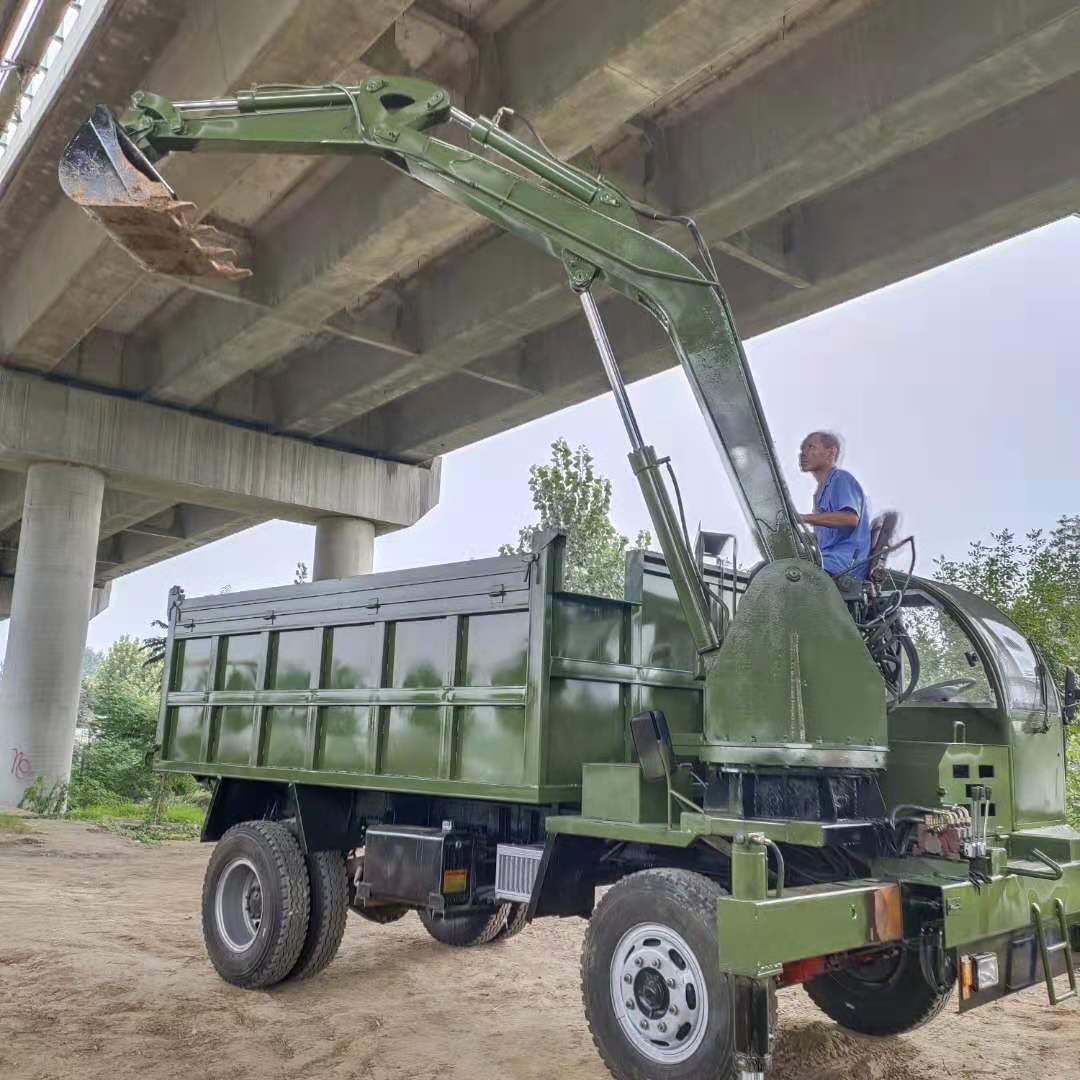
[(950, 668)]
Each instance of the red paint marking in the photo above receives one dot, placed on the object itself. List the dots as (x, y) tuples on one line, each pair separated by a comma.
[(21, 766)]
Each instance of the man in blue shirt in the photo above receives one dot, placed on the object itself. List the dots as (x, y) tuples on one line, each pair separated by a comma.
[(841, 517)]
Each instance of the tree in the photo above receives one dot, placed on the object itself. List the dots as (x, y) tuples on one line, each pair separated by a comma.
[(567, 493), (1036, 582)]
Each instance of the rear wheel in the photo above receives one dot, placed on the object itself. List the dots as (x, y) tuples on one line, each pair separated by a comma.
[(464, 931), (885, 994), (329, 907), (656, 1001), (255, 904)]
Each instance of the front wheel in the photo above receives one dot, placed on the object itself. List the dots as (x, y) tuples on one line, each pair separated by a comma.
[(657, 1004), (887, 993)]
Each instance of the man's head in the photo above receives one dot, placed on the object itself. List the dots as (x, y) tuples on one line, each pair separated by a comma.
[(820, 450)]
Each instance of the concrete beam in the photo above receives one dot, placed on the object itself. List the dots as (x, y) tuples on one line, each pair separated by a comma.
[(845, 101), (983, 184), (581, 70), (181, 458), (73, 274)]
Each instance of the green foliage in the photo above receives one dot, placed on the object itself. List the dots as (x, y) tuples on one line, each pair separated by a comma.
[(121, 710), (46, 801), (567, 493), (1036, 582)]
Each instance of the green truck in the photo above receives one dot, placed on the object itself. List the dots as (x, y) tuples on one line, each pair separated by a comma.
[(744, 781)]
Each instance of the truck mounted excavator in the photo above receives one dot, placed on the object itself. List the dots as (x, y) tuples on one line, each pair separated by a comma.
[(781, 779)]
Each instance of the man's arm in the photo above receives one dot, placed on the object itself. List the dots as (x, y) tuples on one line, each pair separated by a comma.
[(833, 519)]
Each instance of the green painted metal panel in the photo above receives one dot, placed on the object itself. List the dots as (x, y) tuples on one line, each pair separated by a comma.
[(618, 792), (491, 745), (243, 657), (412, 740), (757, 937), (345, 742), (285, 737), (419, 651), (356, 661), (186, 729), (297, 656), (233, 728), (192, 666), (665, 639), (681, 708), (497, 649), (588, 628), (586, 722)]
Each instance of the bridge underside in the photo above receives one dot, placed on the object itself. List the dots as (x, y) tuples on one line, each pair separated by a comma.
[(826, 147)]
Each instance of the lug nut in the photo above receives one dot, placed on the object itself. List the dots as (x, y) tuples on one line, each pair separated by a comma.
[(630, 1006), (671, 983), (644, 1025), (628, 978), (662, 1026), (638, 961), (674, 1010), (656, 963)]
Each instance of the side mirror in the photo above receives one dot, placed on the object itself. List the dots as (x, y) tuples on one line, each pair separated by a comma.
[(1072, 697), (652, 741)]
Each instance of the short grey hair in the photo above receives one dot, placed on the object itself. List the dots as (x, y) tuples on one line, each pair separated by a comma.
[(828, 439)]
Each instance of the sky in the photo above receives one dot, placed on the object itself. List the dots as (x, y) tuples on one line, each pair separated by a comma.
[(955, 393)]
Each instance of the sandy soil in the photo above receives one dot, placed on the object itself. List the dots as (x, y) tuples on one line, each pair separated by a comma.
[(103, 977)]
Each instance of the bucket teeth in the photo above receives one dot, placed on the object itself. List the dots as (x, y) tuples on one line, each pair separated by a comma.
[(108, 176)]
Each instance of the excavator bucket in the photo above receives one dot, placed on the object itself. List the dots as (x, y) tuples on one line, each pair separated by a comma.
[(106, 174)]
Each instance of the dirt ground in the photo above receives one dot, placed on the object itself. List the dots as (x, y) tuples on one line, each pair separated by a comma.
[(103, 977)]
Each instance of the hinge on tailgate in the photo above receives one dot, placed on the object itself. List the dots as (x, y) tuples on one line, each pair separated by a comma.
[(1047, 951)]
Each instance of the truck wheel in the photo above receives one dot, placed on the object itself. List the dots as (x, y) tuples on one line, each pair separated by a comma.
[(656, 1001), (329, 907), (887, 994), (464, 931), (255, 904), (382, 913), (515, 921)]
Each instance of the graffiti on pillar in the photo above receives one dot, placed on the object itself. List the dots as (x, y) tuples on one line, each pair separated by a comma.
[(21, 767)]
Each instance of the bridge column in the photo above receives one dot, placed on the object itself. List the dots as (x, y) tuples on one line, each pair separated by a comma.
[(344, 547), (50, 608)]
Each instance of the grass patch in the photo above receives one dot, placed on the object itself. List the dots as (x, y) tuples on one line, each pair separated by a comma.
[(12, 823), (180, 820)]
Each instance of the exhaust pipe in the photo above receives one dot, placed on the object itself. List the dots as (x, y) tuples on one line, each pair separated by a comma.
[(104, 172)]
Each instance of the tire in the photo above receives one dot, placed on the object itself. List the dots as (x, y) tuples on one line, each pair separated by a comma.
[(666, 918), (255, 904), (516, 921), (329, 907), (383, 913), (465, 931), (887, 996)]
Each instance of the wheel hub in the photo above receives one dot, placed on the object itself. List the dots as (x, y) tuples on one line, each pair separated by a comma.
[(238, 904), (658, 993)]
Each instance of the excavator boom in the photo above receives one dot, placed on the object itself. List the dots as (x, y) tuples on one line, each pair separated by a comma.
[(584, 221)]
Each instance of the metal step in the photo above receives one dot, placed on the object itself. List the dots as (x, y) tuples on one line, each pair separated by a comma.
[(1047, 951)]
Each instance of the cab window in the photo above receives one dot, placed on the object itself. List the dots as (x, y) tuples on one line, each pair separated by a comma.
[(950, 669)]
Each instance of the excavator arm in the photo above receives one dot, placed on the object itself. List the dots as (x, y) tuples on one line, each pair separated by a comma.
[(577, 218)]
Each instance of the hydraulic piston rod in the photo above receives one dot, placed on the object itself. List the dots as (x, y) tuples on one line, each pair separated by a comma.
[(643, 460)]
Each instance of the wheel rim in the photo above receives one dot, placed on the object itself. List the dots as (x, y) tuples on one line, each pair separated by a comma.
[(658, 993), (238, 905)]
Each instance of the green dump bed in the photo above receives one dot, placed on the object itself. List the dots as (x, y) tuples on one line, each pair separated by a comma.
[(479, 679)]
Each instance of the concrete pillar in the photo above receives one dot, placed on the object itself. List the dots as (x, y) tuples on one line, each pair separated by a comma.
[(50, 607), (344, 547)]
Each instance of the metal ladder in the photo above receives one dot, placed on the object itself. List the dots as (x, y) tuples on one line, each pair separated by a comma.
[(1047, 951)]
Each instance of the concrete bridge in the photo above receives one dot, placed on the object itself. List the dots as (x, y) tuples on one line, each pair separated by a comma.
[(826, 147)]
